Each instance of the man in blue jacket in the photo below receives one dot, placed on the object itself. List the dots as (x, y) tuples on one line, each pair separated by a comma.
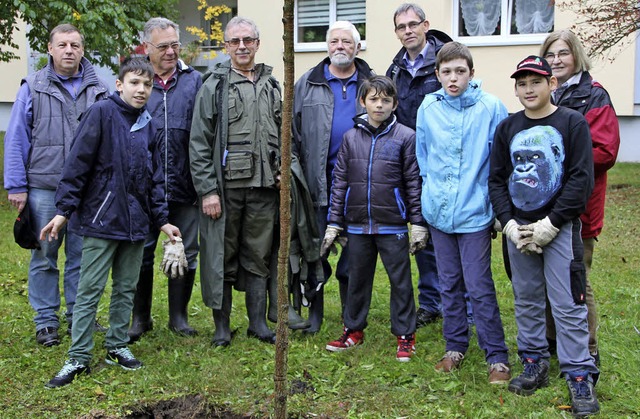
[(175, 86), (413, 71), (43, 121)]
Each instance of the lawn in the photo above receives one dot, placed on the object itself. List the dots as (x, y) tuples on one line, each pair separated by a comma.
[(187, 377)]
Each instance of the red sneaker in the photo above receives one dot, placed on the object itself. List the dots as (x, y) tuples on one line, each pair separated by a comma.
[(406, 347), (349, 339)]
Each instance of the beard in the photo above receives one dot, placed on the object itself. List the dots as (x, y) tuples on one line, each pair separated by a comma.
[(342, 60)]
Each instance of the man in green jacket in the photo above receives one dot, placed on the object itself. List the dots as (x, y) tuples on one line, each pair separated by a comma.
[(235, 164)]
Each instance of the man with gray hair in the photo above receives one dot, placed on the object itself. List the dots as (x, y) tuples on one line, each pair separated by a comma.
[(235, 164), (325, 102), (175, 85)]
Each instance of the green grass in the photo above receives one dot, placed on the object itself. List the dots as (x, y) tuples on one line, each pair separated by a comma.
[(366, 382)]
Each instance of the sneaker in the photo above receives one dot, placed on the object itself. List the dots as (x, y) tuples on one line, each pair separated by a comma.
[(97, 327), (584, 400), (124, 358), (70, 370), (349, 339), (535, 376), (450, 361), (406, 347), (48, 336), (499, 373), (425, 317)]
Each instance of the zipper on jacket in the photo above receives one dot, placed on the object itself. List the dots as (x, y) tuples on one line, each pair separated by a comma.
[(104, 202), (166, 147)]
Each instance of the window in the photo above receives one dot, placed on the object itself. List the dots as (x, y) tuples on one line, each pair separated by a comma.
[(502, 22), (313, 18)]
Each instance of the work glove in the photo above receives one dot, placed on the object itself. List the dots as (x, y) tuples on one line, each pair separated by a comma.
[(522, 237), (543, 232), (419, 237), (174, 261), (330, 236)]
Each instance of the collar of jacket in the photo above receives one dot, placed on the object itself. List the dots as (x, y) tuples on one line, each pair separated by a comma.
[(317, 74), (362, 121), (468, 98)]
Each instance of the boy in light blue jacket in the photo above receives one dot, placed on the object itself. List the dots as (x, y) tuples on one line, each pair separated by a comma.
[(454, 133)]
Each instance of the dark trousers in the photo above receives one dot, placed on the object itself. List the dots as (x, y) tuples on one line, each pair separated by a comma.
[(363, 255)]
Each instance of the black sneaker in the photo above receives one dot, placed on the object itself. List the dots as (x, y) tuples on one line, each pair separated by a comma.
[(124, 358), (596, 358), (535, 376), (70, 370), (97, 327), (584, 401), (48, 336), (424, 317)]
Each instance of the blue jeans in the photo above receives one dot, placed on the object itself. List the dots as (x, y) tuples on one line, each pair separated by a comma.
[(44, 276), (428, 282)]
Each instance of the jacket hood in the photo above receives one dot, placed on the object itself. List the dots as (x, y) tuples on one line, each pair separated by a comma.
[(362, 121), (469, 97)]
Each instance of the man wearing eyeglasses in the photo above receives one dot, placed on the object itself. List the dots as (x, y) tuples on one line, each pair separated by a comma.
[(324, 105), (175, 86), (235, 164), (413, 70)]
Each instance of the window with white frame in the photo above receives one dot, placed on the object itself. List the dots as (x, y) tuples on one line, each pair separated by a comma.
[(313, 18), (502, 22)]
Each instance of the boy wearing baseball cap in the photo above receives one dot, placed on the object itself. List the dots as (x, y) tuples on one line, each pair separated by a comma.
[(540, 179)]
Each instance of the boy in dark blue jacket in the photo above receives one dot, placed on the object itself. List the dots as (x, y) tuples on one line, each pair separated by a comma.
[(112, 184), (375, 193)]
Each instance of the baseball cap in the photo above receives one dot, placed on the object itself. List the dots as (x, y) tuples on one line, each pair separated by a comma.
[(533, 64)]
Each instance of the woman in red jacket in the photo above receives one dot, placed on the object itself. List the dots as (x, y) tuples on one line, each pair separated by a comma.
[(578, 90)]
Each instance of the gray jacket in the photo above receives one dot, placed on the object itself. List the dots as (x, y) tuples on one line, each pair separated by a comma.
[(55, 119), (312, 120)]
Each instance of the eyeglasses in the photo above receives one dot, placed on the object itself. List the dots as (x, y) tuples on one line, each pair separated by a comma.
[(164, 47), (411, 25), (563, 53), (248, 41)]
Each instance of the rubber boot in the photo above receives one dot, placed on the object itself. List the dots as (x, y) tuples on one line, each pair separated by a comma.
[(179, 296), (296, 322), (316, 312), (141, 314), (221, 319), (256, 302)]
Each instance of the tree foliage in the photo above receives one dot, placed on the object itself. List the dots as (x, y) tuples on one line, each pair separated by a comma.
[(110, 27), (211, 14), (604, 24)]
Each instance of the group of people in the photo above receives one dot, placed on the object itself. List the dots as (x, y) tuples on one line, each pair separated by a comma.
[(424, 145)]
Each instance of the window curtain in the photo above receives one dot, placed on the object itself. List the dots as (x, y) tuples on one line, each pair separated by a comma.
[(534, 16), (481, 17)]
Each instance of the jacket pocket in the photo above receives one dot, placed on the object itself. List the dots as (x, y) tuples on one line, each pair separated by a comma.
[(578, 282), (401, 205), (238, 165), (103, 208), (235, 109)]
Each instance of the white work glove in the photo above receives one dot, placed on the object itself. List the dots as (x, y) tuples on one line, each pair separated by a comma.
[(522, 237), (330, 236), (174, 261), (543, 232), (419, 237)]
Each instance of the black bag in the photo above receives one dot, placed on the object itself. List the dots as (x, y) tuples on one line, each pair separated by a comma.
[(23, 231)]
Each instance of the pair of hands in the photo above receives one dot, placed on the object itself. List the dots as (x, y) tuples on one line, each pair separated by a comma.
[(418, 241), (530, 238)]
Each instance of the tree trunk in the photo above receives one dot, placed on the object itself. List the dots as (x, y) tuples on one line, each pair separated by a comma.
[(282, 331)]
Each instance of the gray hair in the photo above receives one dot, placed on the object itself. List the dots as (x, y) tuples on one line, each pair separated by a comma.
[(158, 23), (239, 20), (344, 25), (406, 7), (580, 57)]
